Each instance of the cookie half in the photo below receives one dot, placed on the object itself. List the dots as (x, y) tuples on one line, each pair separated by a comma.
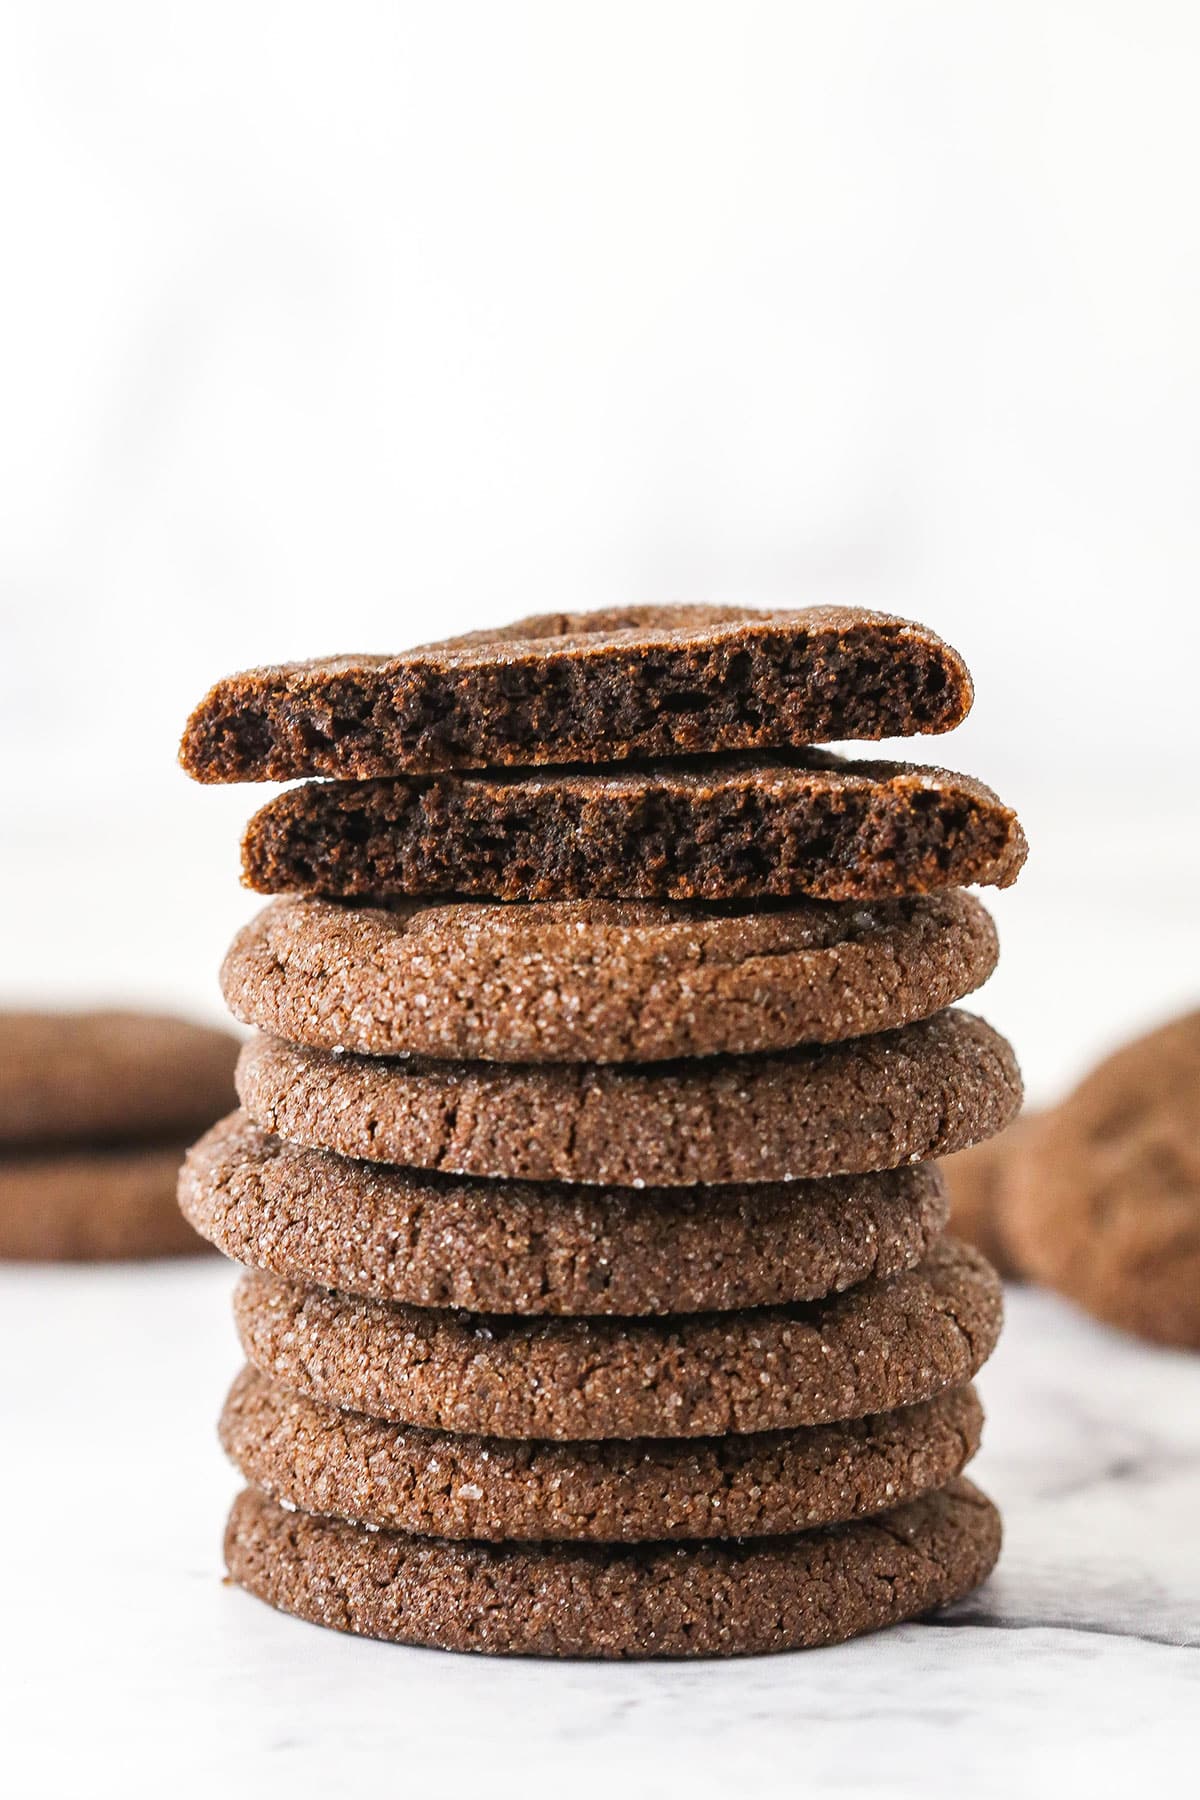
[(92, 1205), (874, 1103), (706, 1599), (104, 1077), (1103, 1202), (882, 1345), (545, 1248), (803, 824), (322, 1459), (584, 687), (600, 980)]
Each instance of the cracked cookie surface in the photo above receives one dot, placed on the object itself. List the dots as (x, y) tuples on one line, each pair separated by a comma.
[(704, 1599), (873, 1103), (882, 1345), (600, 980), (549, 1248), (323, 1459)]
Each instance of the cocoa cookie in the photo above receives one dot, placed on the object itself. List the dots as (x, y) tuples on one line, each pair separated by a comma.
[(788, 824), (902, 1096), (100, 1077), (92, 1205), (584, 687), (344, 1465), (519, 1247), (600, 980), (977, 1180), (1103, 1202), (882, 1345), (707, 1599)]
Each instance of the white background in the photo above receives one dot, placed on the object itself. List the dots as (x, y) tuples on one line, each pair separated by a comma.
[(340, 327)]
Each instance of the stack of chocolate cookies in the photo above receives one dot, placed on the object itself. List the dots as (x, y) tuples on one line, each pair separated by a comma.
[(598, 1302), (96, 1109)]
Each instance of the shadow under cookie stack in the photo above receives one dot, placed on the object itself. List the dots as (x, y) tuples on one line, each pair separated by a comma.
[(597, 1300)]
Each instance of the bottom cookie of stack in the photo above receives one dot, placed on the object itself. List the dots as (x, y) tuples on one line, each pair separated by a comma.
[(733, 1597)]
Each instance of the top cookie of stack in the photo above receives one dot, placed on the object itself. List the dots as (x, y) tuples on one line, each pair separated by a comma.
[(599, 1004), (631, 681), (697, 687)]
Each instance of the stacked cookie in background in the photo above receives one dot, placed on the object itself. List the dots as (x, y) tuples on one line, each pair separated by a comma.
[(598, 1301), (96, 1110), (1098, 1196)]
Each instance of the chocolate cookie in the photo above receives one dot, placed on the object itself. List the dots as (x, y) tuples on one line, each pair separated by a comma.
[(92, 1205), (708, 1599), (1103, 1202), (517, 1247), (977, 1181), (903, 1096), (584, 687), (100, 1077), (600, 980), (344, 1465), (786, 825), (882, 1345)]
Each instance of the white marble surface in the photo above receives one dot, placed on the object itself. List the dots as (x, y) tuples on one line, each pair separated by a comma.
[(127, 1663)]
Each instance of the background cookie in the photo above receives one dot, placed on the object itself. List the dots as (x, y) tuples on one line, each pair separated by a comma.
[(584, 687), (1104, 1199), (801, 823), (977, 1181), (878, 1346), (92, 1205), (600, 981), (344, 1465), (902, 1096), (430, 1240), (99, 1077), (711, 1599)]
